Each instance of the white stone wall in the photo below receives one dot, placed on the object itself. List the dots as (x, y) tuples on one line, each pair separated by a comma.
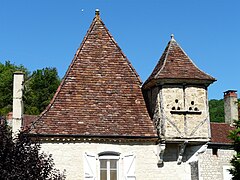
[(69, 156), (212, 166)]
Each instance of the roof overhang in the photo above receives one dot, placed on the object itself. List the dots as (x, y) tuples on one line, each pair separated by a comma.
[(212, 145), (175, 81), (67, 138)]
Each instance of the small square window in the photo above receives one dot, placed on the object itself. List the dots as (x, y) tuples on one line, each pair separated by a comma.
[(215, 151)]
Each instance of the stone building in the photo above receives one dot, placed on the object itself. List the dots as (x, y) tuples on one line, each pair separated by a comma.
[(214, 163), (102, 123)]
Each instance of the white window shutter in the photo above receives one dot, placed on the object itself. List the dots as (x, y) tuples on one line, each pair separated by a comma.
[(226, 173), (129, 167), (89, 166)]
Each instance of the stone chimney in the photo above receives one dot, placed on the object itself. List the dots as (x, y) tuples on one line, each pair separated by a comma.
[(17, 114), (230, 106)]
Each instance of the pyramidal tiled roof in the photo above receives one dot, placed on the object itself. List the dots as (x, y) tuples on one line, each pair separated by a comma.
[(100, 94), (175, 64)]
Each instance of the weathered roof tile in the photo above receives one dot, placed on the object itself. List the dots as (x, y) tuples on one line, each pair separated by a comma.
[(220, 132), (175, 64)]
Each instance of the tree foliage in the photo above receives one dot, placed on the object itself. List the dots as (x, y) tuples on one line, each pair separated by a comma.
[(6, 85), (235, 161), (40, 87), (20, 158), (216, 110)]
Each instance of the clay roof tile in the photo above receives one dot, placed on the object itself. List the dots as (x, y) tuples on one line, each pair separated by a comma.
[(220, 132)]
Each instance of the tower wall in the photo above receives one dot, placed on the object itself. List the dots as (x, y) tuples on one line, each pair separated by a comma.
[(180, 111)]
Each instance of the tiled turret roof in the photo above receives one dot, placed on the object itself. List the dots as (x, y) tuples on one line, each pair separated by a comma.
[(175, 66), (100, 94)]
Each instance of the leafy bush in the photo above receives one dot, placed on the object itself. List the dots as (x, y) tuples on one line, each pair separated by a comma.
[(20, 158)]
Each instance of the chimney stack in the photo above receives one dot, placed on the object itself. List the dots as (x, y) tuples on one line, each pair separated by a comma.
[(18, 79), (230, 106)]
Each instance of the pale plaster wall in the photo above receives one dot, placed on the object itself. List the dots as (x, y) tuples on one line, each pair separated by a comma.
[(212, 166), (69, 156)]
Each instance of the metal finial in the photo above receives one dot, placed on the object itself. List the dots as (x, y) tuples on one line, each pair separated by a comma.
[(97, 12), (172, 36)]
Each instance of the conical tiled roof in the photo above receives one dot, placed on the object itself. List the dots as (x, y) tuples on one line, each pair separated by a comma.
[(100, 94), (175, 66)]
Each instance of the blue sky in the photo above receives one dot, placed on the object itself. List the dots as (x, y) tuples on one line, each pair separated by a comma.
[(47, 33)]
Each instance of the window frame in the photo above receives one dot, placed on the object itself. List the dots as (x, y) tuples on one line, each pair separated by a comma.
[(109, 156)]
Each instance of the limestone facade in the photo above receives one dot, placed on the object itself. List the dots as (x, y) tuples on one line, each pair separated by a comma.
[(70, 156)]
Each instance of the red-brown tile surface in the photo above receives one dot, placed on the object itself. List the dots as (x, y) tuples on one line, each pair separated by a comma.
[(28, 120), (175, 64), (100, 93), (219, 132)]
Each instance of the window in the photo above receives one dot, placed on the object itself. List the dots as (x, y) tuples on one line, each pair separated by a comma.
[(215, 151), (109, 165), (108, 169), (106, 166)]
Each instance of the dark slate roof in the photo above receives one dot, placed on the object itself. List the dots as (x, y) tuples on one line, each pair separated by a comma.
[(175, 64), (100, 94), (219, 132)]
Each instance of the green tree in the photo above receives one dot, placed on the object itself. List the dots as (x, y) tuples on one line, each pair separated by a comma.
[(20, 158), (235, 161), (216, 110), (40, 89), (6, 85)]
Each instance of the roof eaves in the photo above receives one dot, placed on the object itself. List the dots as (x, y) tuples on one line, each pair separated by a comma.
[(79, 137), (220, 145)]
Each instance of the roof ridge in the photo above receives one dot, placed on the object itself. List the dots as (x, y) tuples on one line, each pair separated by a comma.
[(164, 61), (129, 63), (190, 59), (68, 70)]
